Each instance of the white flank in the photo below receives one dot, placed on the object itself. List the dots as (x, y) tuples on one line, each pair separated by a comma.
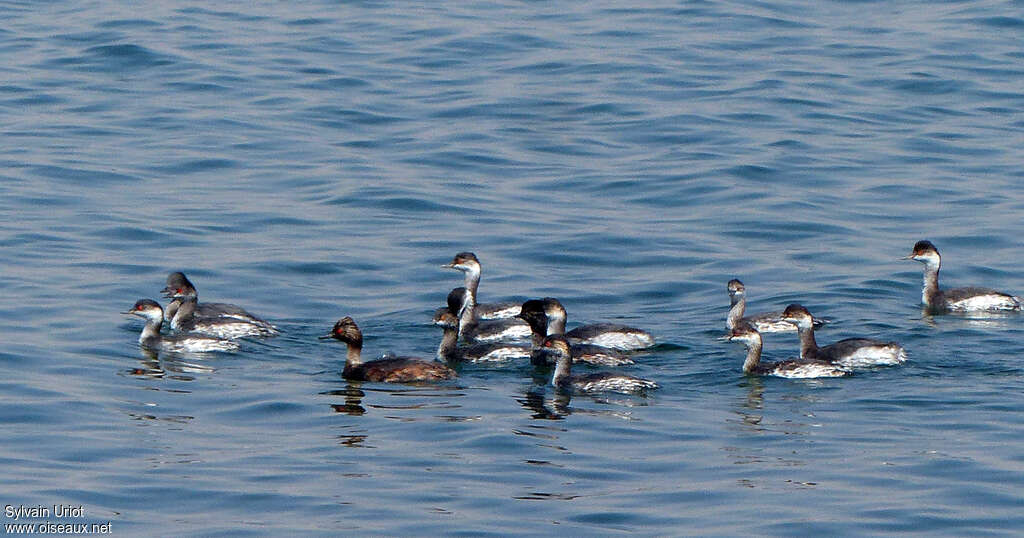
[(812, 370), (621, 341), (867, 356), (985, 302)]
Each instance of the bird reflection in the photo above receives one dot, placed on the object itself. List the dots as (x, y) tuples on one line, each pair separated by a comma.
[(751, 409), (149, 365), (171, 366), (352, 441), (982, 319), (353, 395), (535, 402)]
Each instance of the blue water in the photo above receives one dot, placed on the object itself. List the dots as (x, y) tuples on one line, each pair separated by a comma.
[(316, 160)]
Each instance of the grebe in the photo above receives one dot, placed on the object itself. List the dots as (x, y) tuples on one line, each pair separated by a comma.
[(390, 370), (448, 350), (793, 368), (185, 320), (767, 322), (562, 377), (461, 303), (152, 339), (611, 335), (468, 263), (532, 312), (971, 299), (851, 352), (191, 317)]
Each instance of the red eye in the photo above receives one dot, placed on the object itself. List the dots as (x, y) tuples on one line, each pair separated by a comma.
[(178, 290)]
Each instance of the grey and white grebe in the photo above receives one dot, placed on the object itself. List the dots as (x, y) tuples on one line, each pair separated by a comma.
[(532, 312), (152, 339), (562, 377), (449, 350), (766, 322), (186, 313), (460, 303), (610, 335), (972, 299), (390, 370), (468, 263), (185, 320), (851, 352), (792, 368)]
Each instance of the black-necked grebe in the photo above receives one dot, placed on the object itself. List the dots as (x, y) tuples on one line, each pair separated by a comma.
[(851, 352), (972, 299), (152, 339), (767, 322), (793, 368), (449, 349), (610, 335), (562, 377), (390, 370), (468, 263), (461, 303), (532, 312), (186, 313)]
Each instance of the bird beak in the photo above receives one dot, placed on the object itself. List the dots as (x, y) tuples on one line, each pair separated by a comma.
[(168, 292), (327, 336)]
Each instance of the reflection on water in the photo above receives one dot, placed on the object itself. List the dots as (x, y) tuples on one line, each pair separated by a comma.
[(535, 401), (546, 496), (354, 441), (557, 407), (432, 398), (769, 427), (989, 320), (180, 419), (751, 408), (150, 366), (353, 396), (153, 366)]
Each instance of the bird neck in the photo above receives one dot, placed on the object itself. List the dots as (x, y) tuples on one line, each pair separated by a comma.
[(739, 307), (448, 343), (563, 370), (753, 356), (808, 345)]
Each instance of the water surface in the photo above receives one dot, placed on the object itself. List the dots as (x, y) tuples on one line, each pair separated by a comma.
[(320, 160)]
